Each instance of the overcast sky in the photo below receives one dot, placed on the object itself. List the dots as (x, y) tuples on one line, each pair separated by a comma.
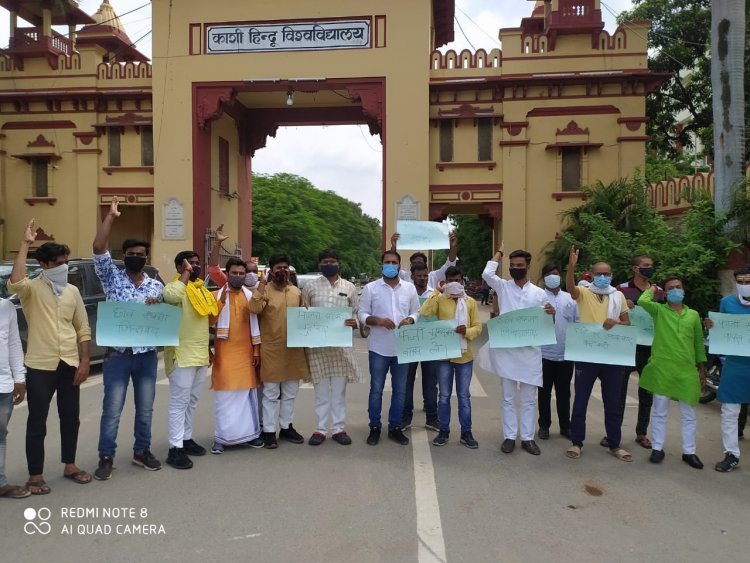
[(345, 159)]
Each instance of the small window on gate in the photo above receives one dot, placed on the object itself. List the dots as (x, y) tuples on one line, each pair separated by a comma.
[(223, 165), (113, 144), (446, 140), (571, 168), (484, 137), (147, 146), (39, 177)]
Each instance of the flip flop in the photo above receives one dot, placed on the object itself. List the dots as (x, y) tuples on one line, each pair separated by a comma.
[(621, 454), (574, 452), (78, 477), (643, 441), (15, 492), (604, 442), (41, 485)]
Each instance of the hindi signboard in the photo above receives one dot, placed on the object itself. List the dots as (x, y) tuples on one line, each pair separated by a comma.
[(437, 340), (590, 342), (290, 36), (730, 335), (524, 327), (423, 235), (125, 325), (318, 327), (644, 325)]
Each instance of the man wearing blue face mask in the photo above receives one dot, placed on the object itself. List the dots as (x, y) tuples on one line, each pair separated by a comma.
[(387, 304), (676, 368), (557, 372)]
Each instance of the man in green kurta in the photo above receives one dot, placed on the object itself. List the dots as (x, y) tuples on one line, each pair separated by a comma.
[(676, 368)]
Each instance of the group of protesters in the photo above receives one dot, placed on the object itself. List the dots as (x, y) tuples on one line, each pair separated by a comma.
[(256, 376)]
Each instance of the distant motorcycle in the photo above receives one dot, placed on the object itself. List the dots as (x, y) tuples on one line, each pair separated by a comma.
[(714, 364)]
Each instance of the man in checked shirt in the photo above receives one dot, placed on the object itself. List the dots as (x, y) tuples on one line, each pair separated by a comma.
[(331, 368)]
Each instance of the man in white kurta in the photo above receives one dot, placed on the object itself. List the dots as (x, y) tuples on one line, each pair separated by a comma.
[(519, 369)]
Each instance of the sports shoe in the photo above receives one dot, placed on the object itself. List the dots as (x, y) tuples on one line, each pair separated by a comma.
[(104, 471), (657, 456), (727, 464), (374, 437), (191, 448), (291, 435), (543, 433), (441, 439), (467, 439), (269, 440), (432, 423), (257, 443), (178, 459), (316, 439), (147, 460), (342, 438), (217, 448), (397, 436)]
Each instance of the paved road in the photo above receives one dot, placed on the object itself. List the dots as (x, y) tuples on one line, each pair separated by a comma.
[(387, 503)]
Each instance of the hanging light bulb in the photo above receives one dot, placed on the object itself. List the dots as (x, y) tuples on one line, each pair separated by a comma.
[(290, 97)]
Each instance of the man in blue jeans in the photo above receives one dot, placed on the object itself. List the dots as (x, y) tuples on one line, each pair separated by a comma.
[(121, 364), (386, 304)]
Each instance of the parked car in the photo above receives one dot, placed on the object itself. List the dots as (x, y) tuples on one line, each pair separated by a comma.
[(82, 275)]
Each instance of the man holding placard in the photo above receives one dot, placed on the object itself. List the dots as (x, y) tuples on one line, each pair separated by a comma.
[(735, 374), (436, 276), (557, 372), (676, 368), (420, 279), (282, 367), (451, 302), (121, 365), (642, 267), (519, 369), (331, 368), (386, 304), (599, 303)]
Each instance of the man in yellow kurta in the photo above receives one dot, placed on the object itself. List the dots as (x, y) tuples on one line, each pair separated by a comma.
[(282, 368), (237, 354), (187, 364), (450, 302)]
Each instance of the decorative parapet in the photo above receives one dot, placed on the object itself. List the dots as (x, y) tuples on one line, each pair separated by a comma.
[(674, 195), (466, 60), (124, 71)]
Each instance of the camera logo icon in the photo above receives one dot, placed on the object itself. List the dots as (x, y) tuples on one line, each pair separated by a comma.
[(36, 521)]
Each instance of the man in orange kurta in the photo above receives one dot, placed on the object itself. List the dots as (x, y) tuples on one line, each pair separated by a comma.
[(237, 354)]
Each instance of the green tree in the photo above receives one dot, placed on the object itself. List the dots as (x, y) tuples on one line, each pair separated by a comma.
[(291, 216), (474, 243)]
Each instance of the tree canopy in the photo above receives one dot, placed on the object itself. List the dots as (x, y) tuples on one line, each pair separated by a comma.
[(291, 216)]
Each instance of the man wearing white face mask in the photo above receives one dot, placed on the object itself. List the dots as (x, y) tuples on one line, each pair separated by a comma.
[(557, 372), (57, 358)]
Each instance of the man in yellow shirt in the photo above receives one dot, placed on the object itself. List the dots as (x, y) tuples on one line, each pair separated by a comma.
[(187, 364), (451, 302), (57, 357)]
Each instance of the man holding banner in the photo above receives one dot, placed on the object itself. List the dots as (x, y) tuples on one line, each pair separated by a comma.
[(599, 303), (331, 368), (519, 369), (131, 285), (676, 368), (386, 304)]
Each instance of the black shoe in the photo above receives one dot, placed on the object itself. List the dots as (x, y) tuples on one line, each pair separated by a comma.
[(565, 432), (342, 438), (432, 423), (657, 456), (693, 461), (291, 435), (531, 447), (508, 446), (728, 463), (104, 471), (316, 439), (269, 440), (191, 448), (406, 423), (374, 437), (468, 440), (178, 459), (441, 439), (397, 436), (543, 434), (257, 443), (147, 460), (740, 435)]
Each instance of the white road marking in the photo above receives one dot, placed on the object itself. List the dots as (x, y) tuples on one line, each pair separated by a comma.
[(431, 544), (475, 387)]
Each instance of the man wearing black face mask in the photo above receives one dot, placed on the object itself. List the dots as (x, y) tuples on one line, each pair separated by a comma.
[(123, 364)]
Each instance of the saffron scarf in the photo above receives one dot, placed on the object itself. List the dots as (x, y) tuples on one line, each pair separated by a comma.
[(200, 298)]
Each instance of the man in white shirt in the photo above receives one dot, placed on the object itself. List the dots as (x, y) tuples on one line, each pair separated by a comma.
[(12, 387), (386, 304), (517, 367), (436, 276)]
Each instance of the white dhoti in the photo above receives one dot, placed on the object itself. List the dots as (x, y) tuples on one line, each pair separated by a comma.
[(236, 416)]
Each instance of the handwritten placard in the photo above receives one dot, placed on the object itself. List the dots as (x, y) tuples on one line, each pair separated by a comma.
[(589, 342), (437, 340), (291, 36), (730, 335), (644, 325), (524, 327), (317, 327), (425, 318), (125, 325), (422, 235)]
